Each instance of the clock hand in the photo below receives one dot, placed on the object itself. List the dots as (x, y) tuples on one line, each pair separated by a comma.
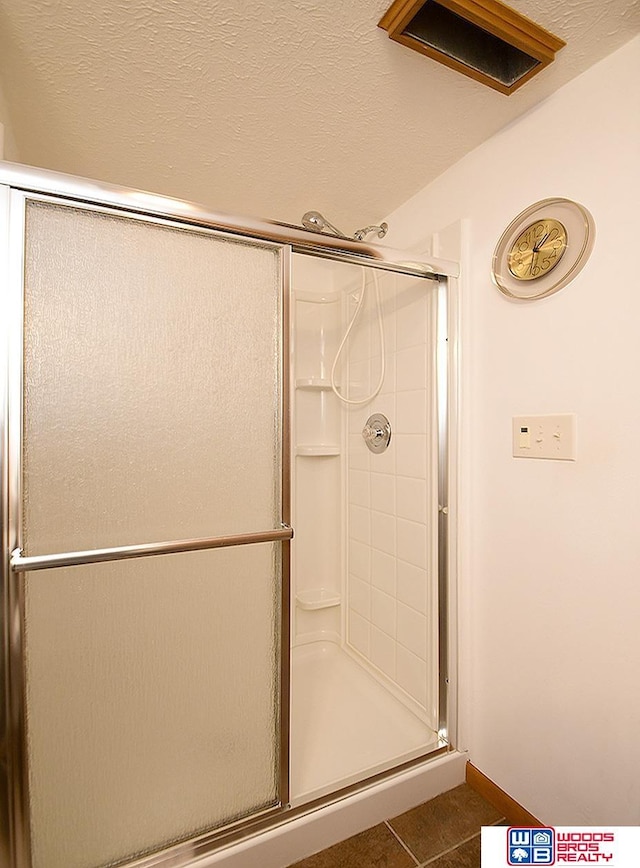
[(536, 247)]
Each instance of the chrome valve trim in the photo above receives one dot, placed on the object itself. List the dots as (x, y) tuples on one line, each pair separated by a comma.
[(377, 432)]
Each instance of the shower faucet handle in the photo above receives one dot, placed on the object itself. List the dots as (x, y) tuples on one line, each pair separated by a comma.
[(377, 432), (370, 433)]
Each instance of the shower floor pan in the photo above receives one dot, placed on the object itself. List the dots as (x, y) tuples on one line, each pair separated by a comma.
[(344, 725)]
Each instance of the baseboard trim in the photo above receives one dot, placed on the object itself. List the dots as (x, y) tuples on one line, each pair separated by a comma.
[(512, 811)]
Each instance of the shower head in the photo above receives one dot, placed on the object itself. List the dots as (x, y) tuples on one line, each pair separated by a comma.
[(317, 223)]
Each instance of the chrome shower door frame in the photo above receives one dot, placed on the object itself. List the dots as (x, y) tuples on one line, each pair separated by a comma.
[(23, 184)]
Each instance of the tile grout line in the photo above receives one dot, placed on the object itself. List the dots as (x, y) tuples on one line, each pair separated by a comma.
[(450, 850), (401, 842)]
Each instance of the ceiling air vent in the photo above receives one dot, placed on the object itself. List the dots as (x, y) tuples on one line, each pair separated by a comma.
[(483, 39)]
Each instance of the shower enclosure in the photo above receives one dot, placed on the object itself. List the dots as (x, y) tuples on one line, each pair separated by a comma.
[(181, 670)]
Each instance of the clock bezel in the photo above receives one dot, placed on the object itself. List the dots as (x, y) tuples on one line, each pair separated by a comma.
[(580, 228)]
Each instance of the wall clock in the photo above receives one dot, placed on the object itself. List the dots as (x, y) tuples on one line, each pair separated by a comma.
[(543, 249)]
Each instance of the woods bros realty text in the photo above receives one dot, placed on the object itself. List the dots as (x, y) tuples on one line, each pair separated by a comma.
[(584, 847)]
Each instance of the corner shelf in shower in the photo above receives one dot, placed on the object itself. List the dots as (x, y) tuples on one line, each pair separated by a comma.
[(317, 598), (316, 297), (319, 450), (314, 384)]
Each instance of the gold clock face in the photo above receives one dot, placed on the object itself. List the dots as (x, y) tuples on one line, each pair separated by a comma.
[(537, 250)]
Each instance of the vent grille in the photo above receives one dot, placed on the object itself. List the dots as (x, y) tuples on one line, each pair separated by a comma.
[(484, 39)]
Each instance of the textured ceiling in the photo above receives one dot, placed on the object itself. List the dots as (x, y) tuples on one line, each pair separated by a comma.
[(263, 108)]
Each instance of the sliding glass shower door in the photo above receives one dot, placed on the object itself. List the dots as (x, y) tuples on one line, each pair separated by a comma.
[(150, 520)]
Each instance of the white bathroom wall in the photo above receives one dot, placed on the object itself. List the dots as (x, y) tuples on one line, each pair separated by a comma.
[(392, 567), (549, 555)]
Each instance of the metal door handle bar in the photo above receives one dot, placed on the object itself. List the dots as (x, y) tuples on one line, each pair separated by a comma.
[(20, 564)]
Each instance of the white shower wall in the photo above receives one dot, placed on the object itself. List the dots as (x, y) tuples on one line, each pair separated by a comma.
[(392, 496), (366, 523), (317, 447)]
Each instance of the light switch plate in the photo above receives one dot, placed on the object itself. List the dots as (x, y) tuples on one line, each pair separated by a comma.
[(545, 437)]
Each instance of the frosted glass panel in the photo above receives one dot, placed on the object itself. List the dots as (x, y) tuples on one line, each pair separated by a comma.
[(151, 701), (151, 382)]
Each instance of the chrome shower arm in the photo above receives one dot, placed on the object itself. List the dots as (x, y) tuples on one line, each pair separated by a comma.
[(361, 234), (317, 222)]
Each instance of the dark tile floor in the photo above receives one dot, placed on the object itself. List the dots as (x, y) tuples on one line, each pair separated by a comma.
[(442, 833)]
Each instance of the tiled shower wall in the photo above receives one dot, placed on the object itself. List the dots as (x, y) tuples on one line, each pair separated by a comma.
[(392, 496)]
